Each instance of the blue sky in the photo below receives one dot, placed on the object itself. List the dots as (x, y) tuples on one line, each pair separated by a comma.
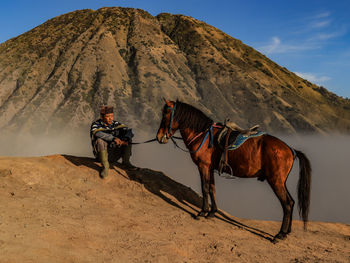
[(309, 37)]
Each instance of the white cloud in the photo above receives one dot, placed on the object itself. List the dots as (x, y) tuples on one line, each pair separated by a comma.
[(316, 33), (326, 36), (321, 15), (314, 78), (321, 27), (320, 24), (276, 46)]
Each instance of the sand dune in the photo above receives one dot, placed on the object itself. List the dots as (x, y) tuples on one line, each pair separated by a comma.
[(57, 209)]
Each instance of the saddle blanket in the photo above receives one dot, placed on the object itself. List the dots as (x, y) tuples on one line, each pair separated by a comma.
[(241, 138)]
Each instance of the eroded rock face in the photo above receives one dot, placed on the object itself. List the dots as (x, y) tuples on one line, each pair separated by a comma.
[(56, 76)]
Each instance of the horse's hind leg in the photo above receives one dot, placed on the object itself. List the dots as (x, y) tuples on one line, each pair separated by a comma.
[(287, 203), (291, 202), (214, 207)]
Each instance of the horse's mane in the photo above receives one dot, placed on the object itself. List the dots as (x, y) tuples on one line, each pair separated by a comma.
[(191, 117)]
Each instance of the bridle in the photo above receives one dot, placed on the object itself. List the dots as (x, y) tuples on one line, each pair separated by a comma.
[(169, 135)]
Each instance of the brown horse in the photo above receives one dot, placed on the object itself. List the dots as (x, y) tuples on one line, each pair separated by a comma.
[(265, 157)]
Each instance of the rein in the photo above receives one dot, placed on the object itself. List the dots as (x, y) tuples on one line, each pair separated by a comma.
[(152, 140), (155, 139), (170, 128), (208, 133)]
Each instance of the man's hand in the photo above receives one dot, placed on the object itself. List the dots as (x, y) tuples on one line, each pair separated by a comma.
[(119, 142)]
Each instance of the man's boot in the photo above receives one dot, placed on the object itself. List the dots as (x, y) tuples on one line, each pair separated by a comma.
[(126, 157), (105, 164)]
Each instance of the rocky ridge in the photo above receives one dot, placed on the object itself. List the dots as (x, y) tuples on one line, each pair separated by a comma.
[(54, 77)]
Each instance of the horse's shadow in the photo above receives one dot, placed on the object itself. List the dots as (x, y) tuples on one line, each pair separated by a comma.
[(166, 188), (163, 186), (226, 218)]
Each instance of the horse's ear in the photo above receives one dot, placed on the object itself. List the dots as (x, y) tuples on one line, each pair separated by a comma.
[(167, 102)]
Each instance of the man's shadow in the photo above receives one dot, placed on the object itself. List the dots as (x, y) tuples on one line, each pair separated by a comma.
[(168, 189), (83, 161)]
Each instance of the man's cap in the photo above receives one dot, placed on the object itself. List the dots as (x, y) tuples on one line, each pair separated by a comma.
[(106, 109)]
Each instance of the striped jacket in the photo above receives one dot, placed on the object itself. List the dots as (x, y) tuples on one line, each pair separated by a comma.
[(99, 129)]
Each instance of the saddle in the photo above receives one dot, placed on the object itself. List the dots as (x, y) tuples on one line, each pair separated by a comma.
[(231, 137)]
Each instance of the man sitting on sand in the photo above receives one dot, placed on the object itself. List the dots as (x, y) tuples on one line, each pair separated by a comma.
[(110, 140)]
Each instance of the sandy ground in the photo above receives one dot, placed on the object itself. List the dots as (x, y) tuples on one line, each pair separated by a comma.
[(57, 209)]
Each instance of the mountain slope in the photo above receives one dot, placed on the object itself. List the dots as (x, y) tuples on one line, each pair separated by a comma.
[(56, 76), (57, 209)]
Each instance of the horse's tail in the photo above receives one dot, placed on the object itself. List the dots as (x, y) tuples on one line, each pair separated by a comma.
[(304, 186)]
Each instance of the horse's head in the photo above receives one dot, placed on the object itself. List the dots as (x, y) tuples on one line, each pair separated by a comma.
[(168, 125)]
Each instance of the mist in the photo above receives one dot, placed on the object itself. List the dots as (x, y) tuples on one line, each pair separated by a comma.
[(244, 198), (250, 198)]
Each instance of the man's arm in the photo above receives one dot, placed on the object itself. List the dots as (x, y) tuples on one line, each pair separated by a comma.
[(109, 138), (98, 132), (104, 136)]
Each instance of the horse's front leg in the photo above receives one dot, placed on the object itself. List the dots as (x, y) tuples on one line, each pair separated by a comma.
[(214, 207), (205, 176)]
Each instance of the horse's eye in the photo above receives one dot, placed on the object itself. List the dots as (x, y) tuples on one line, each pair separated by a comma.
[(165, 111)]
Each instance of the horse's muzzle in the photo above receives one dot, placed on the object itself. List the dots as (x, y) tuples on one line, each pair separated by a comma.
[(164, 139)]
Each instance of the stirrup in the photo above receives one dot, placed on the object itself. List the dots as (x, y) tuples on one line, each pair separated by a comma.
[(221, 174)]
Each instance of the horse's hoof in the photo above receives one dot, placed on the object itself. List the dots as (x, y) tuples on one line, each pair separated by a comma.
[(196, 217), (274, 241), (210, 215), (278, 237), (200, 214)]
